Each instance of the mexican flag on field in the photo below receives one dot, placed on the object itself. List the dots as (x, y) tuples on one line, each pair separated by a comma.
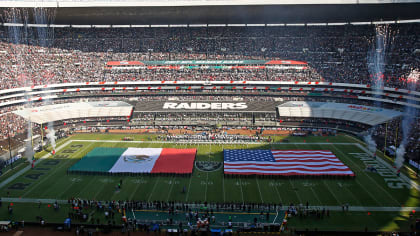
[(155, 160), (137, 160)]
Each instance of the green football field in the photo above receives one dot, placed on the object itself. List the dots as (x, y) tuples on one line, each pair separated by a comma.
[(49, 178)]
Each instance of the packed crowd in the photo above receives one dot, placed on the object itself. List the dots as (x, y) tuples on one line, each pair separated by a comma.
[(324, 123), (212, 137), (334, 53), (172, 206), (11, 124), (201, 212), (246, 74)]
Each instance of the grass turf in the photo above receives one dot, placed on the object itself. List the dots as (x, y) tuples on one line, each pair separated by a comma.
[(49, 178), (367, 189)]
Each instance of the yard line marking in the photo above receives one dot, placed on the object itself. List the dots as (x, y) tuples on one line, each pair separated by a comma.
[(278, 194), (170, 189), (13, 168), (242, 192), (275, 218), (328, 188), (207, 183), (358, 182), (223, 183), (259, 190), (294, 189), (20, 172), (67, 188), (402, 176), (189, 185), (310, 187), (332, 193), (257, 183), (107, 182), (154, 187), (102, 187), (135, 190), (87, 185), (413, 184), (132, 211), (52, 172), (370, 178), (316, 196), (370, 194), (354, 197), (188, 190)]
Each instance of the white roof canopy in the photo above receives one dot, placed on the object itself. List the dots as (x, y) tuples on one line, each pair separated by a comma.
[(341, 111), (50, 113)]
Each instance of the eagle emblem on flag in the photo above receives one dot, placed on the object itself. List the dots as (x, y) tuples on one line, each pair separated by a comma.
[(137, 158)]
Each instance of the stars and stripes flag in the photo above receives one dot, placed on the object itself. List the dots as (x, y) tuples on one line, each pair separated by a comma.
[(283, 162)]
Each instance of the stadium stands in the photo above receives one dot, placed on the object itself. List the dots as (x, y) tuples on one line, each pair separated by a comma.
[(336, 53), (74, 65)]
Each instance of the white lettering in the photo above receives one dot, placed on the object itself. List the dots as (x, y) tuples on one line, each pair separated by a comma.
[(398, 185), (184, 106), (216, 106), (386, 174), (241, 105), (226, 106), (205, 106), (394, 183), (169, 105)]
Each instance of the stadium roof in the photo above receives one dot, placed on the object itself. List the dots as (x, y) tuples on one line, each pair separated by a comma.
[(166, 12), (341, 111), (131, 3), (65, 111)]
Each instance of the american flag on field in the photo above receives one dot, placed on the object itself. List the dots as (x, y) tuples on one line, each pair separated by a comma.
[(283, 162)]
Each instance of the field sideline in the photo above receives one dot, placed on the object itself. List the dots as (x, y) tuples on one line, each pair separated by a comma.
[(48, 180)]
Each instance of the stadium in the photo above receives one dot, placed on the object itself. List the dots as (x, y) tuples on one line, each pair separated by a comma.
[(210, 117)]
